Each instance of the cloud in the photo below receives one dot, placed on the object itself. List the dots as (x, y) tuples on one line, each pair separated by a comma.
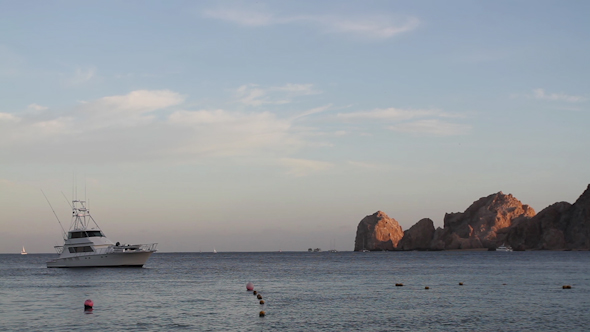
[(304, 167), (82, 75), (36, 107), (313, 111), (542, 95), (432, 127), (375, 27), (254, 95), (225, 133), (7, 117), (368, 166), (415, 121), (392, 114), (140, 126)]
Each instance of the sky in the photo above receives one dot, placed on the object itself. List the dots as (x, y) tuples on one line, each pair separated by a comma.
[(274, 125)]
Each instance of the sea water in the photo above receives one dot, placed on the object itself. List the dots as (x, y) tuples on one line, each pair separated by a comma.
[(343, 291)]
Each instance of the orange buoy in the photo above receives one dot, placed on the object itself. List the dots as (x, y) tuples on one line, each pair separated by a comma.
[(254, 292), (460, 284), (399, 285), (262, 314), (567, 287), (259, 297), (426, 287), (261, 301)]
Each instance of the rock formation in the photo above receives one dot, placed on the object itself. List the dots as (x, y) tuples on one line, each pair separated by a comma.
[(483, 224), (418, 237), (487, 223), (559, 226), (378, 232)]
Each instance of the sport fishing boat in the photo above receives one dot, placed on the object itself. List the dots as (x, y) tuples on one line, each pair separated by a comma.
[(85, 245)]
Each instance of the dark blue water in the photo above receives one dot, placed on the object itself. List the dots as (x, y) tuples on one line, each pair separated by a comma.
[(502, 291)]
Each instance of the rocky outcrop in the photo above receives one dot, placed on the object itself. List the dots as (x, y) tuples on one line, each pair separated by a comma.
[(483, 224), (378, 232), (418, 237), (487, 223), (559, 226), (541, 231), (575, 223)]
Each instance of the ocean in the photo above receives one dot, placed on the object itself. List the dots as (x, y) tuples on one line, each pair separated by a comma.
[(343, 291)]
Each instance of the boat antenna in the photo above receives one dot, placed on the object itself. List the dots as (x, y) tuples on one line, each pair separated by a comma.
[(70, 204), (55, 214)]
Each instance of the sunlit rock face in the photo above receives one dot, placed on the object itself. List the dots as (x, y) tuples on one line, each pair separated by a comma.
[(418, 237), (378, 232), (483, 225)]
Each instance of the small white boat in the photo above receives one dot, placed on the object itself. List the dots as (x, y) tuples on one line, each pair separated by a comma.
[(504, 248), (214, 251), (86, 246), (23, 252)]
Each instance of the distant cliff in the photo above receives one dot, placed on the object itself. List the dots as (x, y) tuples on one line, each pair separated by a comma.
[(489, 222)]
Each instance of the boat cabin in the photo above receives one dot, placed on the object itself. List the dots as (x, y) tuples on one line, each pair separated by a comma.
[(77, 234)]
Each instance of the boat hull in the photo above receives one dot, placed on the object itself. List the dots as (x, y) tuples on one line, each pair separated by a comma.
[(123, 259)]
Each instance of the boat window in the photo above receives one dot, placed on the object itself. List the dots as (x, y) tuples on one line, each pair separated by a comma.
[(94, 234), (80, 249), (77, 235)]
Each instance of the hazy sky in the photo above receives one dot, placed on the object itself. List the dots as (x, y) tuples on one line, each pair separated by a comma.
[(255, 126)]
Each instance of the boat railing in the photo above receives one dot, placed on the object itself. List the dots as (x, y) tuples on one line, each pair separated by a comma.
[(113, 249), (58, 249)]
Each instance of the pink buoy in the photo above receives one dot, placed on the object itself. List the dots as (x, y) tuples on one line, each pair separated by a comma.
[(249, 286), (88, 304)]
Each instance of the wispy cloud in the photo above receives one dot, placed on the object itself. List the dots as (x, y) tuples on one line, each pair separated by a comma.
[(313, 111), (304, 167), (368, 166), (82, 75), (255, 95), (375, 26), (432, 127), (542, 95), (36, 107), (394, 114), (415, 121), (143, 125)]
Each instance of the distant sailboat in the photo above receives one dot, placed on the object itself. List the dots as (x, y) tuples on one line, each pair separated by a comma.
[(23, 252), (214, 251)]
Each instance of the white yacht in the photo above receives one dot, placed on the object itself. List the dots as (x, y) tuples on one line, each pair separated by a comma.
[(85, 245), (23, 252), (504, 248)]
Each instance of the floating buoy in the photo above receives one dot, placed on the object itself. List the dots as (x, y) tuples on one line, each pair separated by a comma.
[(88, 304), (262, 314), (399, 285), (426, 287), (261, 301), (259, 297), (255, 292), (503, 284), (249, 286), (567, 287), (460, 284)]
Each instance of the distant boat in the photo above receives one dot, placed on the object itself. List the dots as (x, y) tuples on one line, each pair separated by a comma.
[(23, 252), (310, 250), (317, 250), (214, 251), (504, 248), (333, 246)]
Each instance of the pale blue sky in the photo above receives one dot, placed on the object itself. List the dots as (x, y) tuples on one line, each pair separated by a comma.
[(251, 126)]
